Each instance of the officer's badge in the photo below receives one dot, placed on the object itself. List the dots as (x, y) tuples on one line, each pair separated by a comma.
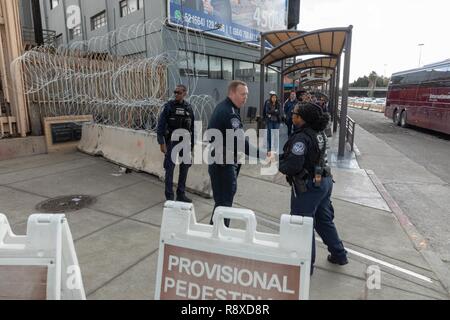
[(235, 123), (180, 112), (299, 149)]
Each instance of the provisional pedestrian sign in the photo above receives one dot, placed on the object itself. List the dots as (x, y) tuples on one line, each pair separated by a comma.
[(203, 262)]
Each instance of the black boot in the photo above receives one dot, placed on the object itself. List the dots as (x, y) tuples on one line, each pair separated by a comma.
[(334, 260), (183, 198)]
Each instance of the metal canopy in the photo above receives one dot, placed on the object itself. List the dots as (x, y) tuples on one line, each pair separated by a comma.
[(314, 82), (275, 38), (326, 41), (320, 62), (322, 71)]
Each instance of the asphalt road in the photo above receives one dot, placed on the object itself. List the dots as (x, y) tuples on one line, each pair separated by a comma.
[(427, 148), (427, 205)]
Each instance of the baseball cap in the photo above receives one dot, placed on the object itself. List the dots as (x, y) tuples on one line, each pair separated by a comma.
[(272, 93)]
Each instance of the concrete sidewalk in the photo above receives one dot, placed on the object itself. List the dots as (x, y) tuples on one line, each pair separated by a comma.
[(117, 237)]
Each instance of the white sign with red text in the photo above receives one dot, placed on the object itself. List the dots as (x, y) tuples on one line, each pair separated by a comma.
[(203, 262)]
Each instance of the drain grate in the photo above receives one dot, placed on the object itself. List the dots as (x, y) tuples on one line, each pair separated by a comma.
[(65, 204)]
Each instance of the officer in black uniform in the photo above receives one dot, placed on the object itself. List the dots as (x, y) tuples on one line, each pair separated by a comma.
[(176, 114), (305, 164), (224, 175)]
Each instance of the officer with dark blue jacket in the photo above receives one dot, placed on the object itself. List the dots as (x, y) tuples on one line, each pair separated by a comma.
[(225, 170), (305, 165), (176, 114)]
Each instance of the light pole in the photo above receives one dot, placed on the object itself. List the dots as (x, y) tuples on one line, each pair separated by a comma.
[(420, 53)]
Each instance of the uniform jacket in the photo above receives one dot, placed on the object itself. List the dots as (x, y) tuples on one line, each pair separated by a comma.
[(302, 152), (225, 117), (162, 129)]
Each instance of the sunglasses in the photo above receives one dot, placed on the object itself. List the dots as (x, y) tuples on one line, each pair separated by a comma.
[(178, 92)]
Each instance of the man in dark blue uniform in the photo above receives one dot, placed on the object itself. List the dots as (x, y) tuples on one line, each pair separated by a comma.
[(225, 117), (305, 164), (176, 114)]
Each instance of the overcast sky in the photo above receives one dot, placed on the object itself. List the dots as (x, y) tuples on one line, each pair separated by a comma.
[(386, 33)]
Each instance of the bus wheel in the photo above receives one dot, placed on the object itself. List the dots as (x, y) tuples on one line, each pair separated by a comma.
[(395, 118), (403, 123)]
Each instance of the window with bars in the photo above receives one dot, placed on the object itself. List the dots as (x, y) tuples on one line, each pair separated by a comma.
[(54, 4), (129, 6), (75, 32), (98, 21)]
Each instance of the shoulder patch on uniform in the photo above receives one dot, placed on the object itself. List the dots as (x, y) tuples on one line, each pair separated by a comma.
[(320, 139), (299, 149), (235, 123)]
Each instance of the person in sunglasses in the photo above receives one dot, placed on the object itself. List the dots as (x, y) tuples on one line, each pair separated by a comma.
[(305, 165), (176, 114)]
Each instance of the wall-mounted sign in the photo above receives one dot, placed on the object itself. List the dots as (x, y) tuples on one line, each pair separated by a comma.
[(241, 20)]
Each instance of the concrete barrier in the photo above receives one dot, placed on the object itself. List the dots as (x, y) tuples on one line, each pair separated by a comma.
[(22, 147), (369, 107), (138, 150)]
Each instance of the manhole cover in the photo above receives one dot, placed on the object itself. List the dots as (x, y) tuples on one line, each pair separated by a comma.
[(65, 204)]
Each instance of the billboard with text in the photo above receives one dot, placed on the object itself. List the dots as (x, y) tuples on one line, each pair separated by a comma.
[(240, 20)]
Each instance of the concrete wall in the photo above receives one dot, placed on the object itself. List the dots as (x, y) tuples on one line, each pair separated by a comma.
[(138, 150), (22, 147)]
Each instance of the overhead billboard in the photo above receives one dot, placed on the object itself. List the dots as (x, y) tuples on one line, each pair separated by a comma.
[(240, 20)]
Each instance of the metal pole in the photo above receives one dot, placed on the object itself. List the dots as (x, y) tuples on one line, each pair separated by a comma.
[(331, 95), (83, 25), (283, 66), (336, 95), (262, 84), (343, 128), (37, 21), (65, 21), (145, 29)]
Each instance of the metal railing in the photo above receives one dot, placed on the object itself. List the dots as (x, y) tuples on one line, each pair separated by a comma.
[(350, 130), (29, 36)]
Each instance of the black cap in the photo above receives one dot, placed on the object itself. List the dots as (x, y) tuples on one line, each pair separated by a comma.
[(310, 112)]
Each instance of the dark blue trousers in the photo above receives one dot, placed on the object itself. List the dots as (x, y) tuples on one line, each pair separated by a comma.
[(290, 126), (224, 186), (316, 203), (271, 125), (169, 166)]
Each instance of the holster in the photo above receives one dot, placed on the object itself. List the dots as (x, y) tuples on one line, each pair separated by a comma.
[(299, 181)]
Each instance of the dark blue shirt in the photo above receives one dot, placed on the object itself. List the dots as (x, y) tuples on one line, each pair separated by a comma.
[(289, 108), (302, 151), (163, 125), (225, 117)]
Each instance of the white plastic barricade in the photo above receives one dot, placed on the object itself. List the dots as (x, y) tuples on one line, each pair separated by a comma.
[(41, 265), (203, 262)]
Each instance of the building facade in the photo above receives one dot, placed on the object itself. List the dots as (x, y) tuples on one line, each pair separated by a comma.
[(109, 23)]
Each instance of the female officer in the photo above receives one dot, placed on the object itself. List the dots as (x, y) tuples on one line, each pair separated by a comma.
[(305, 164)]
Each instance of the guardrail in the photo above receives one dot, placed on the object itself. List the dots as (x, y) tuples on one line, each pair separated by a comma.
[(29, 37), (350, 130)]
